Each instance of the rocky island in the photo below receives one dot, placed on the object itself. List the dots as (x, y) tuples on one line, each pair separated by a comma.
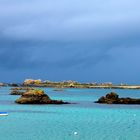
[(37, 97), (113, 98)]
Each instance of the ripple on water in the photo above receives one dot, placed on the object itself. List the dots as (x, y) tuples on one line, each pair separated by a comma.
[(91, 121)]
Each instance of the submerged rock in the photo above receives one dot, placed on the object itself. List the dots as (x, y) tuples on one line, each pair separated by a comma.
[(16, 92), (37, 97), (113, 98), (22, 88), (14, 85), (59, 90)]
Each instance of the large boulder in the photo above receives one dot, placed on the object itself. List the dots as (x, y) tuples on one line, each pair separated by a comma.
[(113, 98), (37, 97)]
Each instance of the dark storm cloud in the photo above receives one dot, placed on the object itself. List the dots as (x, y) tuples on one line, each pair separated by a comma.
[(60, 37)]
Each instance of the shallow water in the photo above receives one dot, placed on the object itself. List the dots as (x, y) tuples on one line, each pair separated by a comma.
[(59, 122)]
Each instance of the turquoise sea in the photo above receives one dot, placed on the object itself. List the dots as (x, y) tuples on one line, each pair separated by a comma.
[(59, 122)]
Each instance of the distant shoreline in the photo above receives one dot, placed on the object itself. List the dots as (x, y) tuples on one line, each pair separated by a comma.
[(70, 84), (92, 87), (85, 85)]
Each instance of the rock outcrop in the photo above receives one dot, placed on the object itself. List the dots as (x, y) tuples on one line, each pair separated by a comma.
[(37, 97), (113, 98)]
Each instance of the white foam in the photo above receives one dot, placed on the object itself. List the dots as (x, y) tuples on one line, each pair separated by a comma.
[(75, 133)]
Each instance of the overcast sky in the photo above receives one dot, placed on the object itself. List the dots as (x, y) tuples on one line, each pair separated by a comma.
[(92, 40)]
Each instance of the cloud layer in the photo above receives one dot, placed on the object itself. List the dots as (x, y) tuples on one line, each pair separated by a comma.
[(80, 40)]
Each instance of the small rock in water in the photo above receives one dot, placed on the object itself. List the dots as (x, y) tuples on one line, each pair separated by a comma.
[(75, 133)]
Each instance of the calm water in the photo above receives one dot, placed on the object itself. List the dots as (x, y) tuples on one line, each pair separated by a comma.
[(59, 122)]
